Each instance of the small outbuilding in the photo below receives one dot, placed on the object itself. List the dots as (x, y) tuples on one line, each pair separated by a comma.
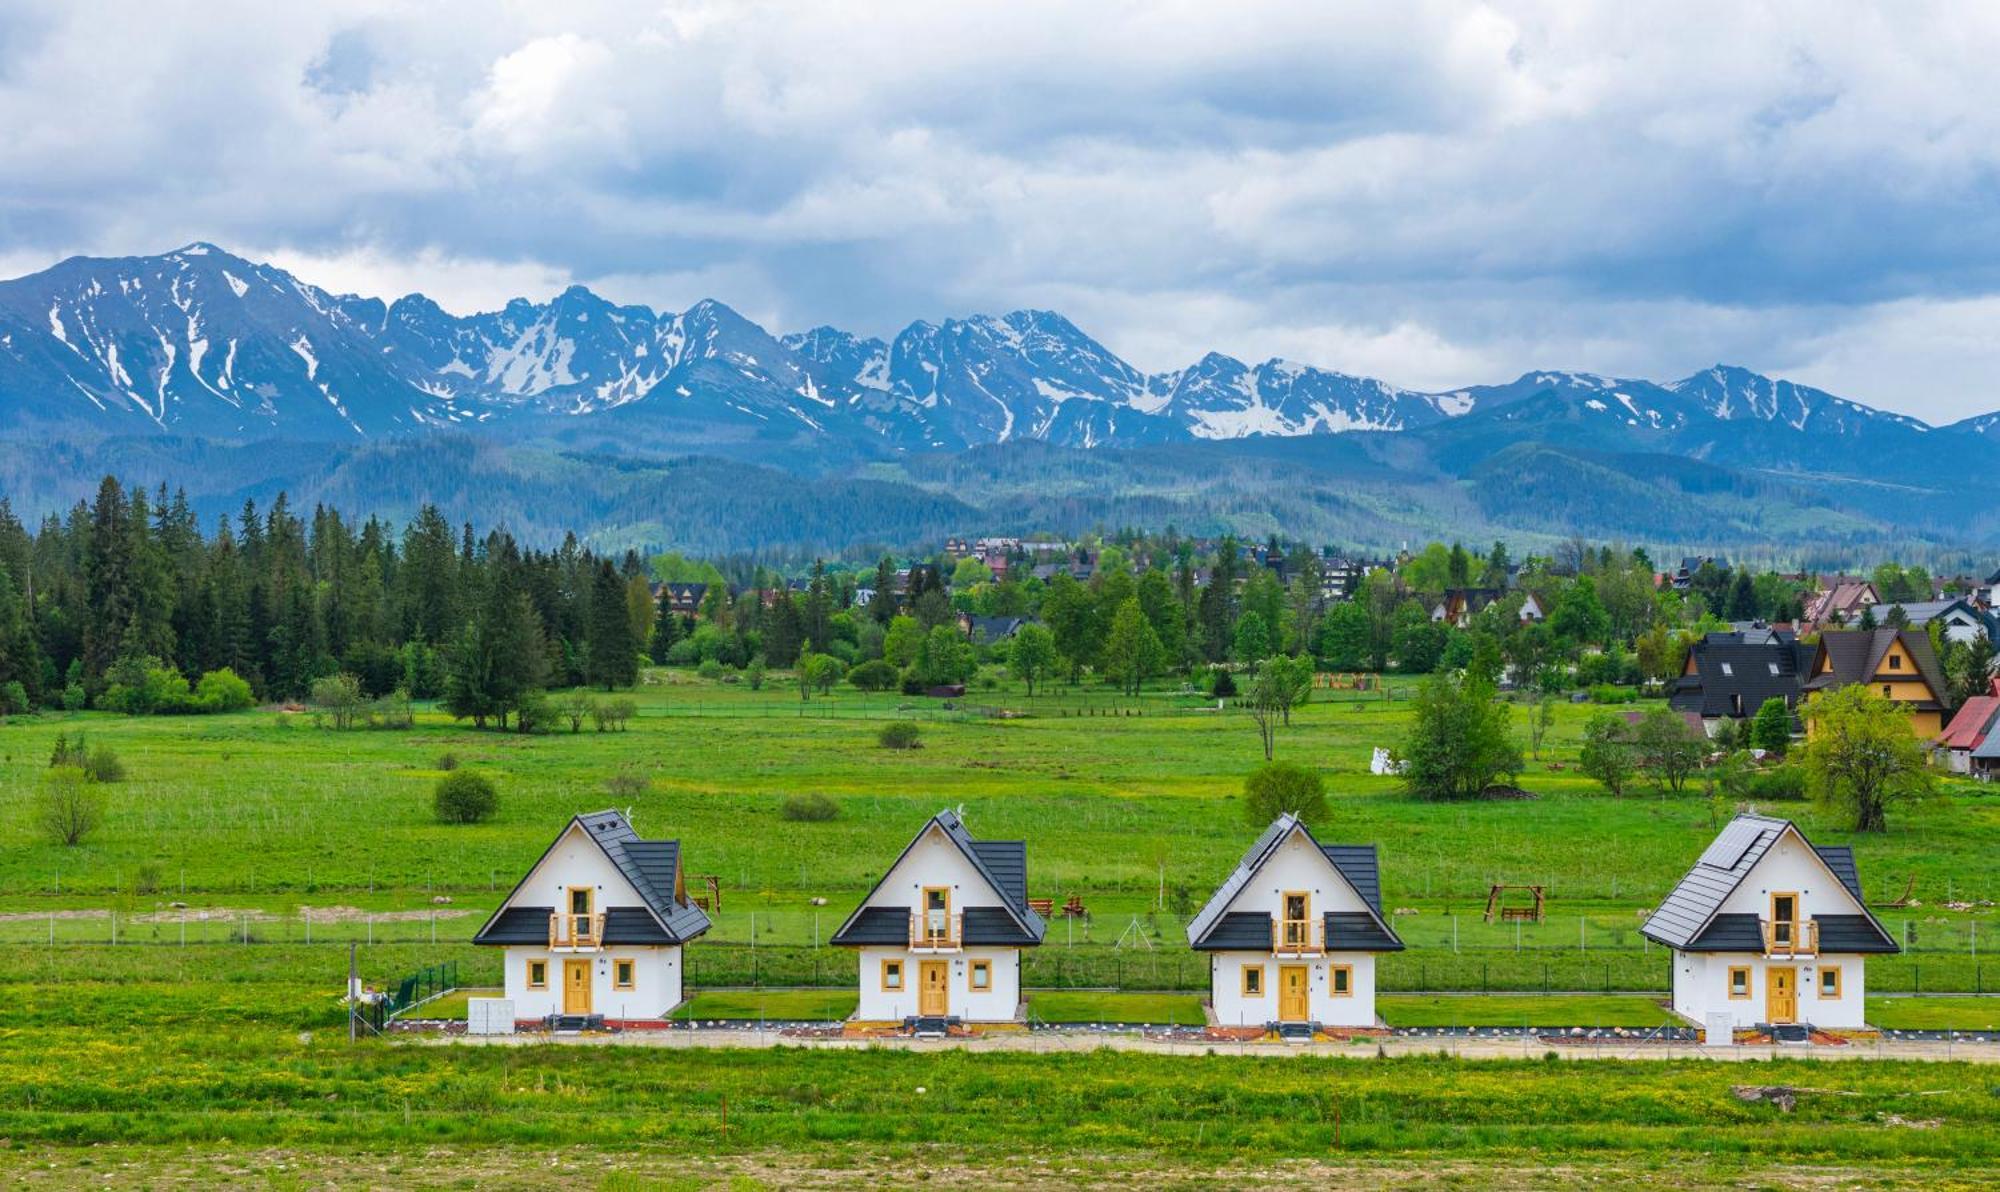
[(939, 938), (1292, 935), (596, 928), (1769, 930)]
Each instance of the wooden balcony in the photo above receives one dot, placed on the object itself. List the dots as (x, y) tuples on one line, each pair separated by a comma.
[(576, 933), (936, 932), (1298, 937), (1791, 939)]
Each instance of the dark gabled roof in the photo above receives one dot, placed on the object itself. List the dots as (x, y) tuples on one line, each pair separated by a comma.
[(1855, 656), (517, 925), (1353, 931), (1003, 863), (634, 925), (993, 926), (651, 866), (1840, 859), (1007, 863), (1729, 933), (987, 630), (1357, 864), (1238, 931), (1733, 667), (1853, 933), (1687, 920), (876, 925)]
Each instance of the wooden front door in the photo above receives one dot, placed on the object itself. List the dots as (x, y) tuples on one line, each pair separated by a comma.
[(1781, 994), (933, 988), (1293, 1003), (576, 987)]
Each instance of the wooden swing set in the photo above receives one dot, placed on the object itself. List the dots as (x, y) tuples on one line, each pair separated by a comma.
[(1514, 914)]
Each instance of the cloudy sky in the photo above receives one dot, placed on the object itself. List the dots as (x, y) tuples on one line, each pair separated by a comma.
[(1433, 193)]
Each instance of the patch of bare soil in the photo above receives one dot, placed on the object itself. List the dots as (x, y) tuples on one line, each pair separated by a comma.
[(488, 1168)]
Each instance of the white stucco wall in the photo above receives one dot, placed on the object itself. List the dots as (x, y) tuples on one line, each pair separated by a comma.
[(1701, 988), (1701, 979), (1296, 866), (1001, 1003), (1232, 1008), (935, 861), (656, 982)]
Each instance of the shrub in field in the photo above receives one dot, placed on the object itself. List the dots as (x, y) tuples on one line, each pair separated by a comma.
[(1605, 693), (223, 691), (13, 698), (874, 675), (577, 707), (900, 734), (67, 806), (1224, 686), (754, 673), (1280, 788), (808, 809), (627, 783), (1785, 783), (1458, 743), (446, 762), (612, 715), (146, 879), (533, 712), (337, 701), (1609, 753), (709, 669), (104, 765), (75, 698), (464, 797)]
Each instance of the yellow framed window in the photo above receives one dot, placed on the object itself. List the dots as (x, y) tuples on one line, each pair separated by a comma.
[(538, 974), (1829, 982), (979, 976), (1253, 980), (1343, 980), (1739, 982), (624, 974), (892, 976)]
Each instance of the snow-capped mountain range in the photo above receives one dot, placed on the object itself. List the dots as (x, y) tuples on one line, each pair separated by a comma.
[(203, 343)]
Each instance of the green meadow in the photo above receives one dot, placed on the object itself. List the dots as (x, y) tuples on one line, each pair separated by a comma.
[(244, 852)]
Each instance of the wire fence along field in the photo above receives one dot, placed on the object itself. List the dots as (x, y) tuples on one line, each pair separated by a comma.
[(1446, 953)]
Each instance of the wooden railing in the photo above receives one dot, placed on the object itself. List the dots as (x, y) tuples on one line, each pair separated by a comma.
[(1783, 938), (935, 933), (1298, 937), (576, 932)]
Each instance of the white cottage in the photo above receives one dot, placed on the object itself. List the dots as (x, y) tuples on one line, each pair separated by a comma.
[(939, 938), (1293, 934), (1768, 929), (596, 927)]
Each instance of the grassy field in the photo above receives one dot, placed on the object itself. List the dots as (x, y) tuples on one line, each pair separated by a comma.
[(284, 841)]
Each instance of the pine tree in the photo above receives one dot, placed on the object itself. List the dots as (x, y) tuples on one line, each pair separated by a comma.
[(611, 657)]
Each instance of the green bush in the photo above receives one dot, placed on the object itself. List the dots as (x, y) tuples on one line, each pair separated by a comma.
[(13, 698), (900, 734), (1224, 685), (709, 669), (1784, 784), (1605, 693), (223, 691), (875, 675), (808, 809), (464, 797), (1280, 787)]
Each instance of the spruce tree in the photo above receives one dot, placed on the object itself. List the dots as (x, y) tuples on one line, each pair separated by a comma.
[(611, 657)]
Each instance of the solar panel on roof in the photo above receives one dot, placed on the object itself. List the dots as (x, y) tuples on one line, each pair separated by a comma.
[(1729, 847)]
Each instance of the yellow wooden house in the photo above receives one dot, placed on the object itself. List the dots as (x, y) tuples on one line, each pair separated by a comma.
[(1897, 663)]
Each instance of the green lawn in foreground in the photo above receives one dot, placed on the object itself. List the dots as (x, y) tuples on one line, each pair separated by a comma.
[(1589, 1009), (1935, 1013), (1157, 1009)]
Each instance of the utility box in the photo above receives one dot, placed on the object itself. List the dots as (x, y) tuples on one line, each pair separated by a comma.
[(489, 1016), (1719, 1030)]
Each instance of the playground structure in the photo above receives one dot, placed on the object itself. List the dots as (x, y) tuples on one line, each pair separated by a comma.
[(712, 901), (1515, 914)]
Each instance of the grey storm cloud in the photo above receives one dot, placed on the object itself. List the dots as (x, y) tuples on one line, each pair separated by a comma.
[(1435, 193)]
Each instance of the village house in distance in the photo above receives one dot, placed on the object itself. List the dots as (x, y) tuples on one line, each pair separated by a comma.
[(1769, 931), (939, 938), (595, 929), (1292, 935)]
